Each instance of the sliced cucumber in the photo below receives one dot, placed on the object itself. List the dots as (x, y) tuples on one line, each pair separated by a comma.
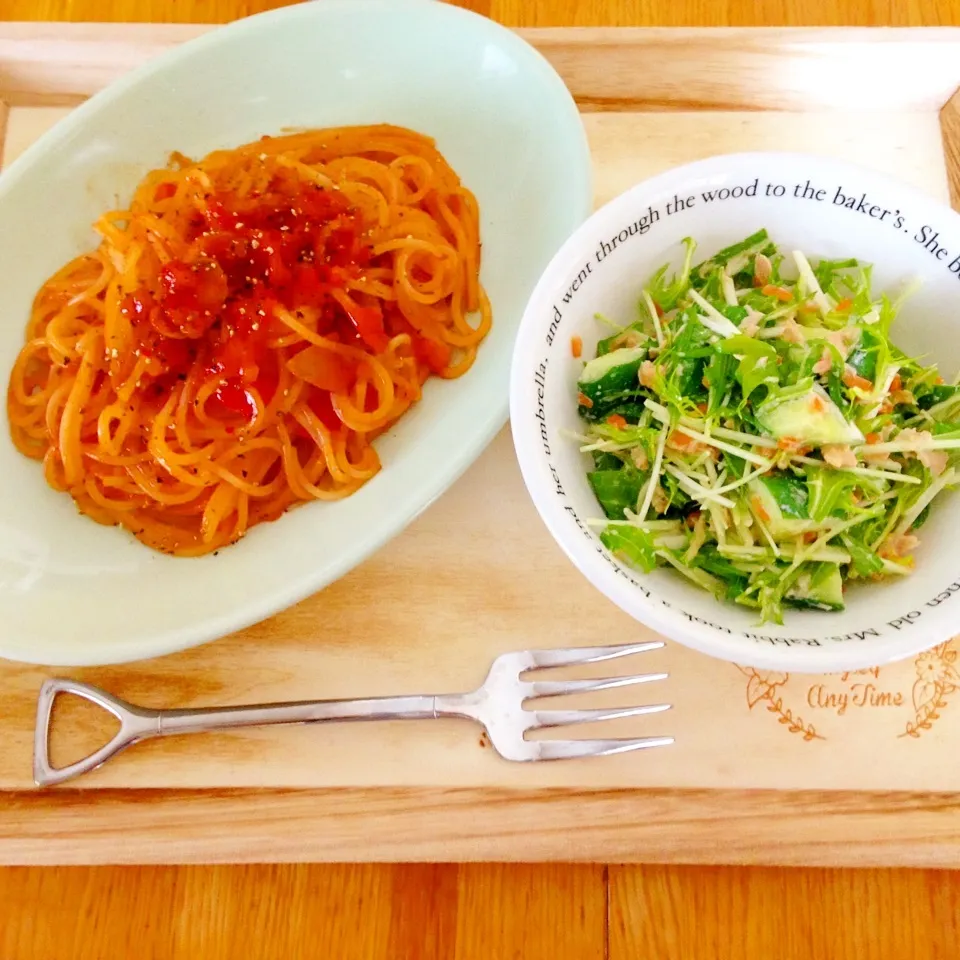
[(807, 414), (790, 493), (782, 503), (819, 587), (863, 357), (612, 376), (937, 394)]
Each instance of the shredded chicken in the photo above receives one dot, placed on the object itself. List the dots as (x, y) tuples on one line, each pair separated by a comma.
[(660, 500), (899, 545), (934, 460), (791, 332), (838, 455), (825, 362), (919, 442), (639, 457), (647, 373), (881, 459), (751, 323), (793, 445), (915, 439), (762, 270), (844, 339), (629, 338)]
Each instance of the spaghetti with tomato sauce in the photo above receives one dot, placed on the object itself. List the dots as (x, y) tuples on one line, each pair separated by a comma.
[(246, 329)]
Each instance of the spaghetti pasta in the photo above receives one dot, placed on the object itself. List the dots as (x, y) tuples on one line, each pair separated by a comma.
[(246, 329)]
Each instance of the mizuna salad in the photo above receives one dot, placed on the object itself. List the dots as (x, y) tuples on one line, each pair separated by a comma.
[(757, 430)]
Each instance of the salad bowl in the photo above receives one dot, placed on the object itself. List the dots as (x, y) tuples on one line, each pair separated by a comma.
[(815, 596)]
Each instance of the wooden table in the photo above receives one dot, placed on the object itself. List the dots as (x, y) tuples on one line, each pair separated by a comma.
[(496, 911)]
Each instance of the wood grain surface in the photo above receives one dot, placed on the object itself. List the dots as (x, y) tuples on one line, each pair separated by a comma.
[(422, 629), (426, 911), (540, 13)]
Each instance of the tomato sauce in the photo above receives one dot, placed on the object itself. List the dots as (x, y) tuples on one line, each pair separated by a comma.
[(294, 245)]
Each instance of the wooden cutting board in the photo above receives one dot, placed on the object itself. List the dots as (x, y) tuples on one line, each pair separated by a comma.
[(767, 767)]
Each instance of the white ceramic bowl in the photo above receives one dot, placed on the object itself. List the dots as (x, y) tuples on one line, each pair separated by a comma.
[(73, 592), (882, 622)]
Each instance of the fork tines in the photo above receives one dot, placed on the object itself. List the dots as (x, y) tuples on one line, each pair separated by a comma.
[(576, 656)]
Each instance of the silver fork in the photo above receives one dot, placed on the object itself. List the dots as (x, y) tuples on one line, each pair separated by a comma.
[(498, 706)]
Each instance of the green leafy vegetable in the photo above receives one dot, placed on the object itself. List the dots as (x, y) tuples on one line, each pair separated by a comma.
[(770, 438), (616, 490), (632, 544), (757, 362)]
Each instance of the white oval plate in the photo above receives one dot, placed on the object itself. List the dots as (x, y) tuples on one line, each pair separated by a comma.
[(73, 592)]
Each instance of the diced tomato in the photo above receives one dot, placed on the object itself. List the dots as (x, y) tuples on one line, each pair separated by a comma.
[(136, 307), (435, 354), (323, 369), (844, 305), (198, 286), (306, 290), (277, 273), (872, 438), (615, 420), (267, 383), (584, 400), (368, 322), (319, 402), (576, 346), (214, 309), (896, 383), (236, 358), (177, 282), (235, 397), (174, 355)]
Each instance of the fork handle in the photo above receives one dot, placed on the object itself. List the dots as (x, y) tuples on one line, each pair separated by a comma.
[(204, 719), (137, 723)]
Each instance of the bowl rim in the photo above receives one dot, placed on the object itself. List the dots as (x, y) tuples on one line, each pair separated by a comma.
[(625, 595), (152, 643)]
